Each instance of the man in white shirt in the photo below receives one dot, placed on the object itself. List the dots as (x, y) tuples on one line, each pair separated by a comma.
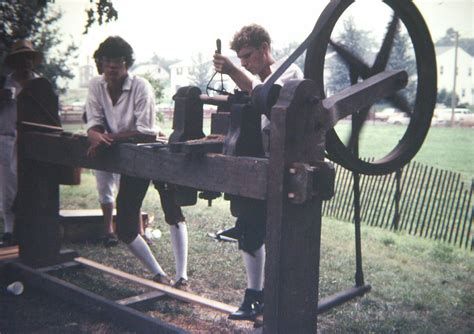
[(253, 47), (121, 107)]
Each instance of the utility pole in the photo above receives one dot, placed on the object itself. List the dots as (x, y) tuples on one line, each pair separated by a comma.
[(453, 93)]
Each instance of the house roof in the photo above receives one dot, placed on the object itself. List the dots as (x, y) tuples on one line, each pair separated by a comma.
[(144, 68)]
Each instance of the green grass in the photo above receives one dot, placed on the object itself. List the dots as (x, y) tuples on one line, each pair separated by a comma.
[(444, 147)]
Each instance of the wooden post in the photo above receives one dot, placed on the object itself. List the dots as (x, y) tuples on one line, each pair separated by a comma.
[(37, 201), (293, 230)]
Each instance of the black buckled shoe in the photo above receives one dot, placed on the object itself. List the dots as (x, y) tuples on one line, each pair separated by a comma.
[(162, 279), (110, 240), (182, 284), (251, 307)]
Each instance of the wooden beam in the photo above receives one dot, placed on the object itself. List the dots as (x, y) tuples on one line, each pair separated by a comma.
[(92, 303), (292, 230), (8, 257), (175, 293), (243, 176), (8, 250)]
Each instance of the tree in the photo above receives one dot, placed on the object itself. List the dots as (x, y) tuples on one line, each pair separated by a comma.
[(166, 63), (402, 56), (200, 72), (158, 89), (359, 42), (157, 84), (27, 20), (445, 97), (467, 44), (286, 51)]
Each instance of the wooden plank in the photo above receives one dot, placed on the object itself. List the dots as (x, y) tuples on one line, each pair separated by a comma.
[(80, 213), (243, 176), (91, 303), (175, 293), (8, 257), (144, 297), (8, 250)]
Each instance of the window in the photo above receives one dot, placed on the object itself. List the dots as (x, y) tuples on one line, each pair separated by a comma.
[(441, 70), (469, 71), (179, 70), (463, 92)]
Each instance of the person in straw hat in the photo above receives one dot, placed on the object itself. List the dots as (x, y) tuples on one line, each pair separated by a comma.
[(21, 61)]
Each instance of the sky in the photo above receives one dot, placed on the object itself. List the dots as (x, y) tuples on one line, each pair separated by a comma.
[(182, 29)]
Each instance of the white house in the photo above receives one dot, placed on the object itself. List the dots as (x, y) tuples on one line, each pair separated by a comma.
[(155, 70), (464, 77), (181, 74)]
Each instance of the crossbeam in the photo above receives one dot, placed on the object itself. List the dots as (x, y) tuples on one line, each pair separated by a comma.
[(175, 293), (242, 176)]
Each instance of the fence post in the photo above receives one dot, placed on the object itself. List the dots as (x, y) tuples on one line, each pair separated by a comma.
[(396, 215)]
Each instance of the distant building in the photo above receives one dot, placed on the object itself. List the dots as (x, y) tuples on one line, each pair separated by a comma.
[(86, 72), (181, 74), (464, 76), (155, 70)]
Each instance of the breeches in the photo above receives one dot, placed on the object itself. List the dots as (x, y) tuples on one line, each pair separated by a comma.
[(251, 225), (132, 191)]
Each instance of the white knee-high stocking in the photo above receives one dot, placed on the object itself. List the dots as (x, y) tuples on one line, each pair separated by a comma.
[(179, 241), (255, 268), (140, 249)]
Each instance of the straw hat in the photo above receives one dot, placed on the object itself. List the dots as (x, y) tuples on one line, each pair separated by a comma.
[(23, 46)]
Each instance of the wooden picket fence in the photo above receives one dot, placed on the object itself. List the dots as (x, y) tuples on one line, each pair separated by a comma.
[(422, 200)]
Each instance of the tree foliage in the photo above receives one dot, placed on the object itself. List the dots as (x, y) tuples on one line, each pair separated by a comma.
[(359, 42), (403, 57), (165, 63), (445, 97), (35, 20), (38, 23), (449, 39), (286, 51), (104, 11), (157, 84), (201, 72)]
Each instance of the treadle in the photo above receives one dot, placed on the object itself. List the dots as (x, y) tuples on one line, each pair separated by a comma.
[(168, 290), (8, 253)]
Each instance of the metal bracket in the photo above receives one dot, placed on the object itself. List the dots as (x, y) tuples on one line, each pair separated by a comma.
[(306, 182)]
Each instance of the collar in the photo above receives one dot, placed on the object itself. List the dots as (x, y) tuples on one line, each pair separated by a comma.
[(127, 84)]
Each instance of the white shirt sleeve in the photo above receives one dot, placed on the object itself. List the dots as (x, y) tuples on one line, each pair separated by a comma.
[(94, 110), (144, 108)]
